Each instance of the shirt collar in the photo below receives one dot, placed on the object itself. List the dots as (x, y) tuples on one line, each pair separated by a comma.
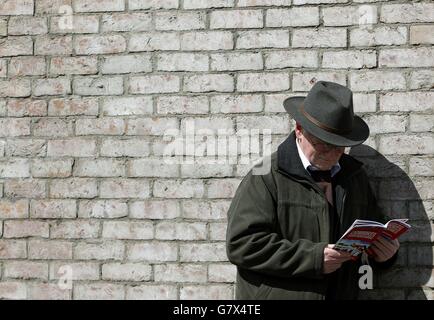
[(306, 163)]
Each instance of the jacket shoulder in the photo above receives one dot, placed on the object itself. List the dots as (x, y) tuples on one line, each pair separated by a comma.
[(263, 171)]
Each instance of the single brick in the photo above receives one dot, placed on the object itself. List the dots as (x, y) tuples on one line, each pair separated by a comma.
[(16, 46), (153, 4), (180, 273), (406, 58), (210, 40), (75, 147), (407, 13), (16, 7), (154, 84), (422, 34), (50, 249), (27, 66), (291, 59), (178, 189), (49, 45), (236, 61), (110, 209), (79, 229), (101, 44), (126, 64), (52, 87), (118, 106), (236, 104), (152, 292), (154, 41), (377, 80), (354, 59), (102, 86), (76, 270), (73, 188), (16, 88), (152, 251), (293, 17), (26, 107), (24, 229), (100, 251), (73, 65), (124, 188), (176, 20), (263, 39), (128, 230), (383, 35), (200, 292), (182, 105), (133, 147), (100, 126), (155, 209), (98, 6), (126, 272), (80, 24), (209, 82), (99, 291), (182, 62), (180, 231), (27, 25), (76, 106), (322, 37), (13, 249), (137, 21), (14, 209), (231, 19), (203, 4), (53, 209), (26, 270), (252, 82)]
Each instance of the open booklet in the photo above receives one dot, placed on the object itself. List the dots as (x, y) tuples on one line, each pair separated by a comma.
[(362, 233)]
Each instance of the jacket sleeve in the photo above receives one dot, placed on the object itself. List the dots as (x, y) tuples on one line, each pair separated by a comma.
[(254, 243)]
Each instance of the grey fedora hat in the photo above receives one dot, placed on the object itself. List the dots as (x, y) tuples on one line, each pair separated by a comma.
[(327, 113)]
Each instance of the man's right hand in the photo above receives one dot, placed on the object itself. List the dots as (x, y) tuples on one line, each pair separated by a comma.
[(333, 259)]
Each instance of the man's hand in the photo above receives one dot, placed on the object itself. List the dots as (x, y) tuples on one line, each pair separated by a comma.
[(384, 249), (333, 259)]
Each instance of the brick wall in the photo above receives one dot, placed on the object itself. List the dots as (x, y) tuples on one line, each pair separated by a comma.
[(89, 89)]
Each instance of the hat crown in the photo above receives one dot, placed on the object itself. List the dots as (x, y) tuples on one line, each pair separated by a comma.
[(331, 105)]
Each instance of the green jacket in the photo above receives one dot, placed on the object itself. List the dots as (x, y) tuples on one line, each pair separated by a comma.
[(278, 227)]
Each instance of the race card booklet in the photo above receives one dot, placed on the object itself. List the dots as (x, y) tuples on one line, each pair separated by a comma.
[(362, 233)]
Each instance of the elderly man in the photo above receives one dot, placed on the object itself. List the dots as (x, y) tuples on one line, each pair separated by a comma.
[(282, 225)]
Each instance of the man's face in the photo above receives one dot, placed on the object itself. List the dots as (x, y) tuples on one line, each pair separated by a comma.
[(321, 154)]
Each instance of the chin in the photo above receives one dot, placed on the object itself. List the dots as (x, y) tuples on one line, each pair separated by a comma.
[(326, 166)]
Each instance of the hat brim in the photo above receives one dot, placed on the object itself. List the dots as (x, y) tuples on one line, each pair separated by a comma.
[(358, 134)]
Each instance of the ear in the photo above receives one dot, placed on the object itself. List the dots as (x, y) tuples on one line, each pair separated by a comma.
[(298, 129)]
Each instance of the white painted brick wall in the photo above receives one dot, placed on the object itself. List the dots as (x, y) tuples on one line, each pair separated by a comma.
[(87, 113)]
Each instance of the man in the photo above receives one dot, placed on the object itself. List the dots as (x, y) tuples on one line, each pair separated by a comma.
[(282, 225)]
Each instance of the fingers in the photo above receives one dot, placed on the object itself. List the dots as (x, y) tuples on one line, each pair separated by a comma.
[(389, 247), (390, 244), (379, 255), (384, 249), (337, 255), (334, 256), (377, 252), (381, 245), (333, 259), (381, 250)]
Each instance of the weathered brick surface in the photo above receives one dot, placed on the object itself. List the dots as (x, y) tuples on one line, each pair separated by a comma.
[(98, 109)]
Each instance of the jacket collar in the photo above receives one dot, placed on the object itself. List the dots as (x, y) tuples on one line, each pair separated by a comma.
[(289, 162)]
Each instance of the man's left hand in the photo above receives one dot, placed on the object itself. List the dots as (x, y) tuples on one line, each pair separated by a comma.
[(384, 249)]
